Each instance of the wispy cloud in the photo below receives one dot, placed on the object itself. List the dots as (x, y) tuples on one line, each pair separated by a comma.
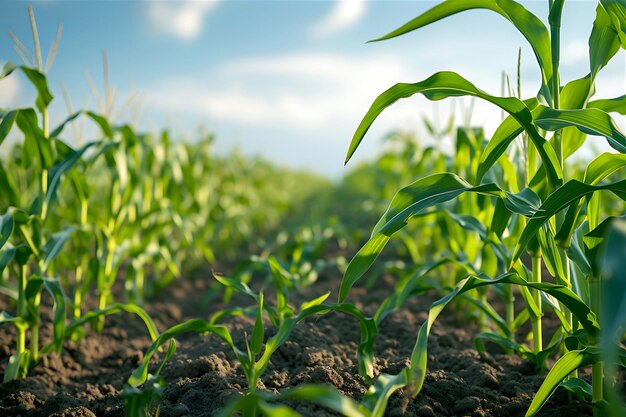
[(9, 91), (183, 19), (308, 90), (344, 13), (575, 52)]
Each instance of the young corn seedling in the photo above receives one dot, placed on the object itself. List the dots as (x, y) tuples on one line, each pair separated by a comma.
[(546, 232), (258, 351)]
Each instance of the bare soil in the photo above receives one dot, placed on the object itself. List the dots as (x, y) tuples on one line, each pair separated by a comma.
[(203, 375)]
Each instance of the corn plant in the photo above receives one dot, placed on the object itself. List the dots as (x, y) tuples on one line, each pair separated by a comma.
[(258, 351), (549, 207)]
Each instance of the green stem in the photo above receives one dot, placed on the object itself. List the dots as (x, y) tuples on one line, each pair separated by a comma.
[(21, 309), (102, 303), (109, 279), (597, 367), (34, 336), (78, 294), (536, 324), (44, 171)]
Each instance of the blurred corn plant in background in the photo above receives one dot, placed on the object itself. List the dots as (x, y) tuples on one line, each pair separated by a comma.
[(126, 209)]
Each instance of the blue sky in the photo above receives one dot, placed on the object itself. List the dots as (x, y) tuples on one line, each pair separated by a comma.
[(289, 80)]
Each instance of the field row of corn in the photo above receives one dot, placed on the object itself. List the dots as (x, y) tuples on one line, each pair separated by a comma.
[(100, 228)]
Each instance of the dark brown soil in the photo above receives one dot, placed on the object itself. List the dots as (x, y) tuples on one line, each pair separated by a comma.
[(203, 375)]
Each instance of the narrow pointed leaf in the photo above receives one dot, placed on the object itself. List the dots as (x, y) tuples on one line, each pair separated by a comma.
[(610, 105), (504, 135), (408, 202), (419, 357), (529, 25), (561, 369), (449, 84), (140, 374), (570, 192), (7, 118), (58, 321), (326, 396), (591, 121)]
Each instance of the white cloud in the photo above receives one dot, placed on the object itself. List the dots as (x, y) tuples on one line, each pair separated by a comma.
[(308, 90), (183, 19), (9, 90), (343, 14), (575, 52)]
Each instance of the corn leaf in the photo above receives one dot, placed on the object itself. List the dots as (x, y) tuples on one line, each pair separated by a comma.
[(449, 84), (610, 105), (617, 13), (17, 366), (325, 396), (53, 247), (529, 25), (604, 41), (591, 121), (407, 202), (34, 136), (37, 79), (58, 322), (562, 368), (420, 352), (613, 284), (506, 133), (61, 168), (140, 374), (570, 192), (377, 396), (256, 340), (7, 118), (6, 227)]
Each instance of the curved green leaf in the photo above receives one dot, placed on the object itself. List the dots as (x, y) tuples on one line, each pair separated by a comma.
[(419, 356), (101, 121), (37, 79), (7, 118), (578, 387), (603, 166), (6, 227), (61, 168), (140, 374), (449, 84), (58, 321), (603, 41), (378, 394), (508, 130), (6, 256), (326, 396), (527, 23), (562, 368), (407, 202), (570, 192), (591, 121), (613, 285), (617, 13), (114, 309), (53, 247), (27, 122), (610, 105)]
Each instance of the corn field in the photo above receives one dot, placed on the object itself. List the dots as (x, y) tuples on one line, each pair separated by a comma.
[(289, 294)]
